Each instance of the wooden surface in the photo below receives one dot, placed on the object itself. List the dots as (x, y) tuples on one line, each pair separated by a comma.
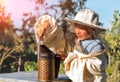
[(30, 76), (59, 79)]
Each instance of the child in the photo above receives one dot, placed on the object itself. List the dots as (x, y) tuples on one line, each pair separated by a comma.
[(87, 62)]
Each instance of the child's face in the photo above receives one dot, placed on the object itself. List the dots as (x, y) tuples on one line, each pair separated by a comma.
[(83, 32)]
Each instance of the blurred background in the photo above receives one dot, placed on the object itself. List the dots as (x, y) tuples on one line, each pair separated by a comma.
[(18, 49)]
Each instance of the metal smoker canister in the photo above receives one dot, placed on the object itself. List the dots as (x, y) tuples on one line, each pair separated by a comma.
[(46, 64)]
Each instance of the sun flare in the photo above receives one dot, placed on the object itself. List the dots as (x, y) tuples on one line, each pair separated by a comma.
[(16, 8), (1, 3)]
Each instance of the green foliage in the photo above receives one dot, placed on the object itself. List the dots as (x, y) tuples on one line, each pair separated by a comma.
[(113, 72), (61, 69), (30, 66), (113, 40)]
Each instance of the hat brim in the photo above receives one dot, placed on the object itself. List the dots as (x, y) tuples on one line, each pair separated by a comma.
[(96, 27)]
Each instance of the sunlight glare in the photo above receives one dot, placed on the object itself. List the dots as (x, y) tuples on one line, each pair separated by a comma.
[(17, 7)]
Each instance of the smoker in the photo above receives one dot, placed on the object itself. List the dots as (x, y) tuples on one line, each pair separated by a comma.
[(48, 64)]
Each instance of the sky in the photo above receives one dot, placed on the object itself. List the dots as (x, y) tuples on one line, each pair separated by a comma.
[(105, 9), (16, 8)]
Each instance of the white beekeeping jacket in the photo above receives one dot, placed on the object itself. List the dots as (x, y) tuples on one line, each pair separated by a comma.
[(53, 37)]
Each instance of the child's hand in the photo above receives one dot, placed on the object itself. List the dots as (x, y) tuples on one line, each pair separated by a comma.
[(61, 54)]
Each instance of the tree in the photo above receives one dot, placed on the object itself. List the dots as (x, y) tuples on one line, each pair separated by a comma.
[(9, 41), (113, 40), (27, 37), (60, 9), (5, 21)]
